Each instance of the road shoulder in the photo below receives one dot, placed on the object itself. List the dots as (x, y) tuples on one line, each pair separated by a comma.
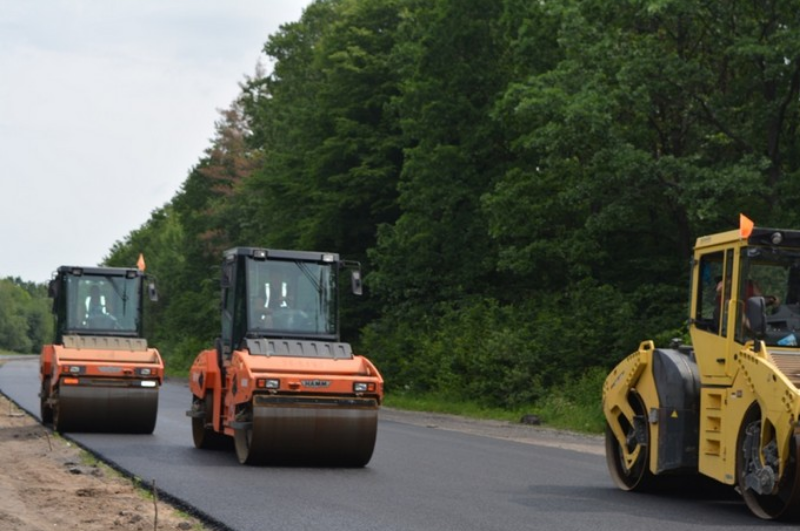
[(522, 433)]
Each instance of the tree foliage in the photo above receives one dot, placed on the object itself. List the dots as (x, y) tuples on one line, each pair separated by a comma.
[(523, 181), (25, 322)]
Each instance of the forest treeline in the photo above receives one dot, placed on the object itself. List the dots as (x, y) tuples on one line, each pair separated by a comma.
[(25, 321), (522, 181)]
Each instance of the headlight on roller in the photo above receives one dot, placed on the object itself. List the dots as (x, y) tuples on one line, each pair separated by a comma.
[(364, 387), (268, 383)]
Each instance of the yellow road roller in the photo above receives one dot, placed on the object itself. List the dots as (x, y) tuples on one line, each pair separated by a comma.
[(727, 406)]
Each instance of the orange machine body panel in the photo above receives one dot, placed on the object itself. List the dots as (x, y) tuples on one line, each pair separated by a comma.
[(247, 374), (59, 362)]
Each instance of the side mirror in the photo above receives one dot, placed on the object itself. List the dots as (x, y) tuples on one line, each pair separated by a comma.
[(226, 280), (756, 314), (355, 281), (151, 291), (355, 275), (52, 288)]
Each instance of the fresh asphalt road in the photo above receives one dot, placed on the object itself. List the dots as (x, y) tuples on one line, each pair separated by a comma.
[(419, 479)]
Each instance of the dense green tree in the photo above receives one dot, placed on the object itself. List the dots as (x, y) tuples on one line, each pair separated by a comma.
[(279, 200), (663, 121), (438, 249), (522, 180), (25, 322), (666, 112), (332, 149), (446, 301), (332, 146)]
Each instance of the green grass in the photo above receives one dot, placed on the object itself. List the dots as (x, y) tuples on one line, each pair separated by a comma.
[(9, 353), (89, 459), (439, 403), (561, 412), (573, 405), (555, 411)]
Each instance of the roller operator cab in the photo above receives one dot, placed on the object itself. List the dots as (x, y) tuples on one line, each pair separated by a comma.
[(726, 407), (279, 383), (100, 374)]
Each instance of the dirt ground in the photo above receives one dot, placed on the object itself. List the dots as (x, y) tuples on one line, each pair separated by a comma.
[(47, 483)]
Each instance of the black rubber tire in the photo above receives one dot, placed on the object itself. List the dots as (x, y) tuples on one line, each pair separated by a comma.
[(57, 423), (45, 411), (206, 438), (243, 440), (785, 505)]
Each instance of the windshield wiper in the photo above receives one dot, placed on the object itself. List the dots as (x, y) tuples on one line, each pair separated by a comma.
[(318, 285)]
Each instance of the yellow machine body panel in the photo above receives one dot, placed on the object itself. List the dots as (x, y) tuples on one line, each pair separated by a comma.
[(726, 406)]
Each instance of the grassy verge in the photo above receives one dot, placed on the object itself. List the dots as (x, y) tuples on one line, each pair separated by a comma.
[(555, 411), (574, 405)]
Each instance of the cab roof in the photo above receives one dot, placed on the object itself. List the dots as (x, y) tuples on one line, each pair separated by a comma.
[(277, 254), (758, 236), (100, 271)]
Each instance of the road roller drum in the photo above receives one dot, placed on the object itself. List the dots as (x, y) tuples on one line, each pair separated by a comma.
[(107, 409), (320, 431)]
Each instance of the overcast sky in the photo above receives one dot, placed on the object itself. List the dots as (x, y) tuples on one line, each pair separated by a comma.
[(104, 108)]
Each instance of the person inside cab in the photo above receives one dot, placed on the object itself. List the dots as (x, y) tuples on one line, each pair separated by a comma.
[(96, 303), (98, 310)]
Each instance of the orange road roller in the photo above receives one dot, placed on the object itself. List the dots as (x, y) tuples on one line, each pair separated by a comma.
[(99, 375), (280, 383)]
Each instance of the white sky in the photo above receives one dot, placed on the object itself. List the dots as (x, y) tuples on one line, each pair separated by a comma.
[(105, 106)]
